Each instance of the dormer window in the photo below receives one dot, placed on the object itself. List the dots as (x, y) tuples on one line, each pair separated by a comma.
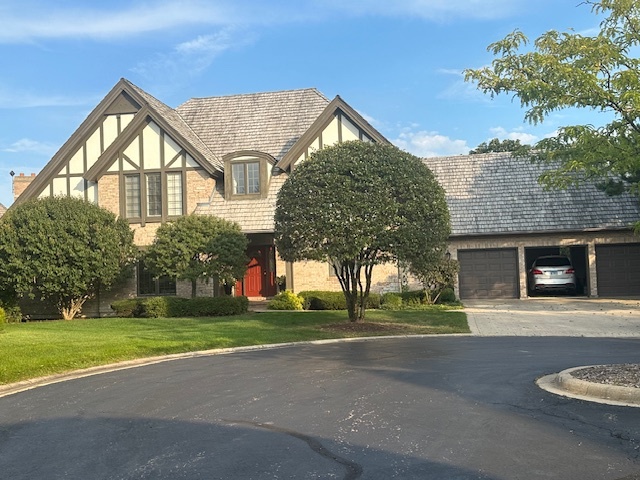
[(246, 175), (246, 178)]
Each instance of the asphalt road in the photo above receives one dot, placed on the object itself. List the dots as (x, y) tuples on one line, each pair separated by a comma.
[(427, 408)]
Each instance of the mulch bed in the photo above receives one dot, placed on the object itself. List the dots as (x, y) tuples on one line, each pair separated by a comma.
[(623, 375)]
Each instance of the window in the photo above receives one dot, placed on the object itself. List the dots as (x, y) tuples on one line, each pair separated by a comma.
[(132, 200), (148, 285), (246, 178), (162, 191), (154, 194)]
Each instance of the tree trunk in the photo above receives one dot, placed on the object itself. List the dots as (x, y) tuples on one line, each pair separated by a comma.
[(69, 308), (193, 288)]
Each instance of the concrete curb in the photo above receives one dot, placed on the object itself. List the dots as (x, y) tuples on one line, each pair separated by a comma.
[(566, 385)]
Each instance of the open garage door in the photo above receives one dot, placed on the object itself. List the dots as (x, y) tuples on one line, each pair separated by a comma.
[(488, 273), (618, 268)]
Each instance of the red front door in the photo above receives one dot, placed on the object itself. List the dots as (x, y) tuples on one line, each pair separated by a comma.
[(259, 281), (253, 278)]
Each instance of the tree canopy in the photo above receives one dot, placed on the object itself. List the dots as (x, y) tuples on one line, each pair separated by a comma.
[(495, 145), (357, 205), (571, 70), (64, 250), (199, 247)]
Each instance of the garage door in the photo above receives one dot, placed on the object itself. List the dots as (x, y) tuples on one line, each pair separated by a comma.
[(490, 273), (618, 269)]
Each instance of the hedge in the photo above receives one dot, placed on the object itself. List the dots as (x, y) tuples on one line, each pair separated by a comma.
[(321, 300), (165, 307)]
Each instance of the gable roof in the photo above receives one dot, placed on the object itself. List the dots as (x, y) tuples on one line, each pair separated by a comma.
[(321, 122), (169, 120), (269, 122), (497, 193), (146, 105)]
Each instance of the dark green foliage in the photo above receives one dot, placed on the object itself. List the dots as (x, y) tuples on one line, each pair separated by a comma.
[(3, 316), (391, 301), (447, 296), (564, 70), (199, 247), (496, 145), (322, 300), (286, 300), (166, 307), (63, 250), (357, 205), (12, 311), (435, 276)]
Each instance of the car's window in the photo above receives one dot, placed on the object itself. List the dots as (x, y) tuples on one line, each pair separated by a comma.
[(553, 262)]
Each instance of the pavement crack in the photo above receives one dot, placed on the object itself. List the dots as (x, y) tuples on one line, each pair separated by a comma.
[(353, 470)]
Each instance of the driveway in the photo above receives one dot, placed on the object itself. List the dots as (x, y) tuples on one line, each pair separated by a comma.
[(554, 316), (440, 407)]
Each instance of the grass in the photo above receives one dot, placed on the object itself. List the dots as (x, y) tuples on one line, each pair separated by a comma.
[(34, 349)]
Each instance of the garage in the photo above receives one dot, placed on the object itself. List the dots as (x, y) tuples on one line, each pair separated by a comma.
[(618, 268), (488, 273)]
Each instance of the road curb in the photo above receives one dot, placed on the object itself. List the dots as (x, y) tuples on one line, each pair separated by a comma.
[(565, 384)]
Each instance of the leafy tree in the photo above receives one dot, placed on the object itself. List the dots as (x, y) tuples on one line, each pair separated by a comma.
[(199, 247), (495, 145), (567, 70), (64, 250), (435, 276), (357, 205)]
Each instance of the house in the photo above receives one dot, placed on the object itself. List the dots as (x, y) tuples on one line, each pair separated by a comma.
[(502, 219), (224, 156), (228, 156)]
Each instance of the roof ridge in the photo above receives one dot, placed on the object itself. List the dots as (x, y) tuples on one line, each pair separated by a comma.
[(254, 94)]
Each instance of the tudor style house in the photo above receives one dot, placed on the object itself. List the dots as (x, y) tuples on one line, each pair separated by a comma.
[(222, 156), (229, 156)]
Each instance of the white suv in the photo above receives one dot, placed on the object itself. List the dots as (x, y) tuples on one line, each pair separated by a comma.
[(552, 273)]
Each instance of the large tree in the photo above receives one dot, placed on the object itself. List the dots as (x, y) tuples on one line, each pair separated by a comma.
[(569, 70), (199, 247), (495, 145), (357, 205), (64, 250)]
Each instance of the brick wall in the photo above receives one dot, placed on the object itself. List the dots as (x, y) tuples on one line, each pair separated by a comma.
[(109, 193), (20, 183)]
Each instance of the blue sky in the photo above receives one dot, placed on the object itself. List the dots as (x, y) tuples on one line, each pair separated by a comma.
[(399, 63)]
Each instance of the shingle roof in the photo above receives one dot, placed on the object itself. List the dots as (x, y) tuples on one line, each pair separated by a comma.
[(497, 193), (254, 215), (267, 122), (178, 123)]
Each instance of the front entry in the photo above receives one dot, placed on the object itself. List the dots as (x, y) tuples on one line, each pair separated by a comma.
[(259, 281)]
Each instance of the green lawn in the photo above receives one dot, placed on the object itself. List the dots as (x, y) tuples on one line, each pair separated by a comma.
[(29, 350)]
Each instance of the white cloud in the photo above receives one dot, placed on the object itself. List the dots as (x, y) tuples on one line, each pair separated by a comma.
[(428, 9), (16, 98), (430, 144), (31, 146), (524, 137), (192, 57)]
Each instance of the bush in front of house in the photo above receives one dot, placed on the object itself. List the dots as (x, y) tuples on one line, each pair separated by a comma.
[(12, 313), (166, 307), (391, 301), (286, 300), (321, 300), (447, 296)]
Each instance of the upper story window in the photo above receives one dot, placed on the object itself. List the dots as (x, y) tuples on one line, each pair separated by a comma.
[(246, 175), (153, 195)]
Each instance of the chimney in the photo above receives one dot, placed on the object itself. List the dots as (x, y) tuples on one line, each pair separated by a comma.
[(20, 183)]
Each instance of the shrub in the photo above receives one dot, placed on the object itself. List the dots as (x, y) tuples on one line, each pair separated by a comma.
[(126, 308), (165, 307), (447, 296), (3, 318), (286, 300), (321, 300), (12, 313), (391, 301), (413, 297)]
